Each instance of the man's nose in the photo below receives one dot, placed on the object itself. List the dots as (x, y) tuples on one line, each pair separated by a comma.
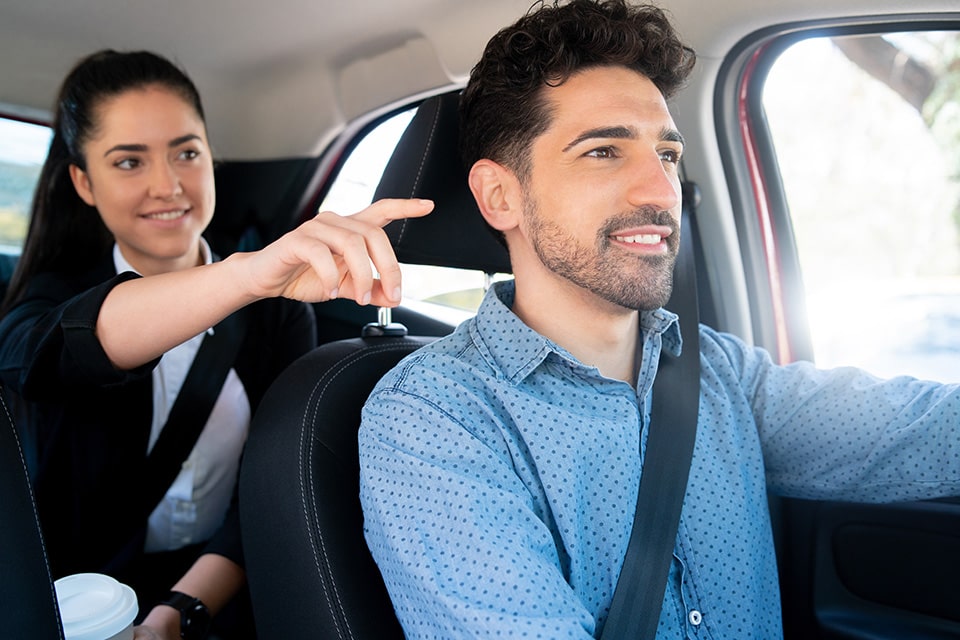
[(654, 184)]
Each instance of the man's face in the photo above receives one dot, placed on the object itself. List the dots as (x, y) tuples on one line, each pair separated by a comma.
[(602, 200)]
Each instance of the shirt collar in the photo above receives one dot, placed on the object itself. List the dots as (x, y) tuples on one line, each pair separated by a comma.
[(517, 350), (121, 264)]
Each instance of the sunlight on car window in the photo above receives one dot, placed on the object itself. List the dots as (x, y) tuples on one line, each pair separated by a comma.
[(353, 188), (870, 169), (450, 295), (23, 148)]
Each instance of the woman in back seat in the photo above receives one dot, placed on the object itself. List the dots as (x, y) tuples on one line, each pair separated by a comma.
[(112, 304)]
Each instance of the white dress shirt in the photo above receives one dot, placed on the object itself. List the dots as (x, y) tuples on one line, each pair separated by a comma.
[(194, 506)]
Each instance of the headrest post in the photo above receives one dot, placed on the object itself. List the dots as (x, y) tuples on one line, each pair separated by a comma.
[(487, 281), (384, 326)]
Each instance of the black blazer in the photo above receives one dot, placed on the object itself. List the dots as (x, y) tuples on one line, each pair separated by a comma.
[(86, 424)]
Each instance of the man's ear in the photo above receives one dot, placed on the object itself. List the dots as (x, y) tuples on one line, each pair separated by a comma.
[(81, 182), (497, 192)]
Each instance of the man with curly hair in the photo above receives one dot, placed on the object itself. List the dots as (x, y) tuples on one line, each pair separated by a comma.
[(500, 465)]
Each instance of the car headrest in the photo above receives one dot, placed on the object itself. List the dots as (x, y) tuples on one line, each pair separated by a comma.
[(426, 164)]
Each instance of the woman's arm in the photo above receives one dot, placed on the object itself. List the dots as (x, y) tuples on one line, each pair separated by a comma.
[(214, 579), (327, 257)]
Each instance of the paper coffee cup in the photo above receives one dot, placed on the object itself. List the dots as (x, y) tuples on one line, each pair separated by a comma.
[(94, 606)]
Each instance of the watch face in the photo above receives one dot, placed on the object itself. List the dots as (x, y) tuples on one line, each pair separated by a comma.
[(194, 621)]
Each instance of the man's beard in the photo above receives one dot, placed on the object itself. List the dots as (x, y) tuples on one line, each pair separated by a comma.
[(618, 276)]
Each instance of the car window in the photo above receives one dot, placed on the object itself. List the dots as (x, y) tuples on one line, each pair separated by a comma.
[(867, 135), (23, 148), (450, 295)]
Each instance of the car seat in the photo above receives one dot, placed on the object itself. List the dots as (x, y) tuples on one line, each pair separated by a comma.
[(28, 601), (308, 568)]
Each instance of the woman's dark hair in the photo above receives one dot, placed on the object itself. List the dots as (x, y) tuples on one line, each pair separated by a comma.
[(66, 234), (502, 109)]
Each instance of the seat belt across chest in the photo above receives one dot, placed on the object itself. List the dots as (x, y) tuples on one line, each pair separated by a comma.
[(638, 597)]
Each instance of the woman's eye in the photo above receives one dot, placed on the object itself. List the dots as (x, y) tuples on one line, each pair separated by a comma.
[(127, 163), (189, 154)]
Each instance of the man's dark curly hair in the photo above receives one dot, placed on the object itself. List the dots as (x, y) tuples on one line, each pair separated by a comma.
[(502, 108)]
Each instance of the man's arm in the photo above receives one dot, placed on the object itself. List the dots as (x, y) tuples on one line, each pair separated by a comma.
[(843, 434)]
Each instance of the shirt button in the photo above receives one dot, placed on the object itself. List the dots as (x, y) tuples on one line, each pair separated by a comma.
[(695, 618)]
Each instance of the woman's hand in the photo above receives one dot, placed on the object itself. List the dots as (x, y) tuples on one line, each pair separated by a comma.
[(333, 256), (145, 632)]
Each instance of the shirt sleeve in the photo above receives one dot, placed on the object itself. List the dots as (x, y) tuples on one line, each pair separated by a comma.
[(48, 341), (452, 527), (843, 434)]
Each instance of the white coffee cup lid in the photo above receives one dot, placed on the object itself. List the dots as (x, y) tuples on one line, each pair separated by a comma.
[(94, 606)]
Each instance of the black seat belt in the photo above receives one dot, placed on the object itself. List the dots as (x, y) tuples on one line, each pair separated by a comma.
[(638, 598), (188, 416), (192, 408)]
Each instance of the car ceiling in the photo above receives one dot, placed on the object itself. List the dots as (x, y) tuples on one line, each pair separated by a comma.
[(282, 78)]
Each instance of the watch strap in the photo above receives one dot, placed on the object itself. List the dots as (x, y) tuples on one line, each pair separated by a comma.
[(194, 615)]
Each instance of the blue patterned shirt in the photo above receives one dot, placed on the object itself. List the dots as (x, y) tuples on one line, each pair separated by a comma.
[(499, 476)]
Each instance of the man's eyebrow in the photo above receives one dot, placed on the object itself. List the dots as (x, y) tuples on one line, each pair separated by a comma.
[(671, 135), (624, 133), (141, 148), (627, 133)]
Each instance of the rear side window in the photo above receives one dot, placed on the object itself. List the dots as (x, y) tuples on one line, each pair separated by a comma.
[(23, 148), (867, 135)]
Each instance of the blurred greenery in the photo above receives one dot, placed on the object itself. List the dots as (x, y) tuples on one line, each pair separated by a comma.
[(13, 226), (941, 109), (16, 191)]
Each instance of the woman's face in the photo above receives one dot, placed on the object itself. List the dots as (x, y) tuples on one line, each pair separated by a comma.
[(149, 173)]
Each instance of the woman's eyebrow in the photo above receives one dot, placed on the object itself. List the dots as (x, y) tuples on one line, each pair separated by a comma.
[(176, 142), (141, 148), (135, 148)]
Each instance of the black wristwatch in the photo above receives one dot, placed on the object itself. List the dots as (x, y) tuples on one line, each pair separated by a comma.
[(194, 616)]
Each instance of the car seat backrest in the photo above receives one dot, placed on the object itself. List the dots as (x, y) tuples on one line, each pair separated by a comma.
[(308, 568), (28, 602)]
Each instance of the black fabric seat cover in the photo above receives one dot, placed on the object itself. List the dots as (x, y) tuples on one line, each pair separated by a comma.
[(308, 567), (426, 164), (28, 602)]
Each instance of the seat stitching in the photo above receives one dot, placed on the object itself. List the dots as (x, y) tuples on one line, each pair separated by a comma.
[(321, 561), (423, 161)]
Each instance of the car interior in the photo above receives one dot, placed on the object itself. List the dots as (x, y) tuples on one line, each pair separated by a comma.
[(295, 90)]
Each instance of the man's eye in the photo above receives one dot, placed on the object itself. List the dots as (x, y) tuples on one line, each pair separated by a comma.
[(602, 152), (669, 155)]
